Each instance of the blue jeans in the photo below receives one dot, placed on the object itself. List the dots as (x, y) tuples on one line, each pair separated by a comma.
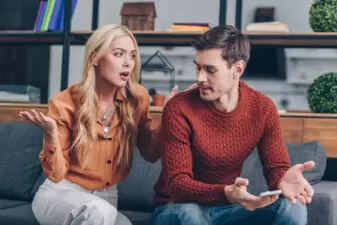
[(281, 212)]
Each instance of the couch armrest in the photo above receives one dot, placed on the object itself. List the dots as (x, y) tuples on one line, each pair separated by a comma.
[(322, 210)]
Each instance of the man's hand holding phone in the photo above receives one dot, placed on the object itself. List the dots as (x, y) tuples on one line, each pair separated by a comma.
[(237, 193)]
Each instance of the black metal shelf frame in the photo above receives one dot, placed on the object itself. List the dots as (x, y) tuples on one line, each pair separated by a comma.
[(67, 38), (238, 13)]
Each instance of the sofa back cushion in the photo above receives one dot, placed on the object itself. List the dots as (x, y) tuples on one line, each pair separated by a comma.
[(298, 153), (136, 192), (21, 143)]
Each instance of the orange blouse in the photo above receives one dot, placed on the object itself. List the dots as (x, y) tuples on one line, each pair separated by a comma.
[(58, 162)]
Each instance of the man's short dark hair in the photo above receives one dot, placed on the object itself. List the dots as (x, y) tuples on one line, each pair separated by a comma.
[(234, 44)]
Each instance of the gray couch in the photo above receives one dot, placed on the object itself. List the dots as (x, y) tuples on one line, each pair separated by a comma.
[(21, 176)]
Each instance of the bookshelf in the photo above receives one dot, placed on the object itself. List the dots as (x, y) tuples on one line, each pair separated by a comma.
[(157, 38)]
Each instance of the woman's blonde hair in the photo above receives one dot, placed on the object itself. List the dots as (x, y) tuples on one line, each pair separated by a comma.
[(86, 115)]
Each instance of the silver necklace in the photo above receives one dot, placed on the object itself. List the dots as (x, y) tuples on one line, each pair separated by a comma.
[(106, 129), (107, 124), (104, 117)]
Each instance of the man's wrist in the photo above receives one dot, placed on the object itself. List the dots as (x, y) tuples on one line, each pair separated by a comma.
[(278, 185)]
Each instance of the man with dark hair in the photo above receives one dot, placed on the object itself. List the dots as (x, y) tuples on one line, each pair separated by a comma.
[(209, 131)]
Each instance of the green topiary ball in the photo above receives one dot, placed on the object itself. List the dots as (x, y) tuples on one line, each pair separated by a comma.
[(322, 94), (323, 16)]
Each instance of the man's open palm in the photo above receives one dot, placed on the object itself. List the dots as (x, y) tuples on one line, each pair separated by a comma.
[(294, 186)]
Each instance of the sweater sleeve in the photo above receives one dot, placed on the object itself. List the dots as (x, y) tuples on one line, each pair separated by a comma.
[(55, 158), (177, 162), (272, 150)]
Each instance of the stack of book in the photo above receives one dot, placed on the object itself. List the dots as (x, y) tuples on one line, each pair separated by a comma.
[(50, 16), (268, 27), (189, 27)]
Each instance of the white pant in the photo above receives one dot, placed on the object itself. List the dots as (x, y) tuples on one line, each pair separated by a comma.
[(66, 203)]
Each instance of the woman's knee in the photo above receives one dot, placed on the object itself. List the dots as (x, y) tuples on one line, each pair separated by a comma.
[(180, 214), (292, 214)]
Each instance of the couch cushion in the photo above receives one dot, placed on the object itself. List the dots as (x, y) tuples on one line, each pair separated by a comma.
[(21, 215), (136, 192), (6, 203), (21, 143), (38, 183), (298, 153), (323, 208), (136, 217), (302, 152)]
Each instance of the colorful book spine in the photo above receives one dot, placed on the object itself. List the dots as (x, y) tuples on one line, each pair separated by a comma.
[(40, 15), (50, 16), (55, 16), (61, 17)]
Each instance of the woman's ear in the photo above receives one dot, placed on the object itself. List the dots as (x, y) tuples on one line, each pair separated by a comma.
[(94, 58)]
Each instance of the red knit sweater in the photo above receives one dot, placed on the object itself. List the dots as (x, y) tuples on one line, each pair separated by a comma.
[(203, 149)]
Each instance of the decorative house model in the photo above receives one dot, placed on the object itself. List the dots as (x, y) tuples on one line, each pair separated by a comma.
[(138, 15)]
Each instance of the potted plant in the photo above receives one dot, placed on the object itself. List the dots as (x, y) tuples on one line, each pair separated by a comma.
[(323, 16), (322, 94), (157, 99)]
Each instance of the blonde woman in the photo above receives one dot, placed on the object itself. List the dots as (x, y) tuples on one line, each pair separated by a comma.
[(90, 132)]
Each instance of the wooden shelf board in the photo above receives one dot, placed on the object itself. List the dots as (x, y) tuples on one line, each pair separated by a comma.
[(174, 38)]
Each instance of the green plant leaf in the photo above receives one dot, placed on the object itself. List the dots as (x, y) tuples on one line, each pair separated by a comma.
[(323, 16), (322, 94)]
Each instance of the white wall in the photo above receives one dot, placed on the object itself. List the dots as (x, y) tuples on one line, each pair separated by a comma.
[(295, 13)]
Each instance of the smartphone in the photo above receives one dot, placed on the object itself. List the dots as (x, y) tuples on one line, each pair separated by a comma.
[(270, 193)]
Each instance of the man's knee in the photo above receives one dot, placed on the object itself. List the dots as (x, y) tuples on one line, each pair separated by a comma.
[(180, 214), (95, 212), (292, 214)]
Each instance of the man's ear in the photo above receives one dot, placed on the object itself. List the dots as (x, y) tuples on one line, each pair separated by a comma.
[(239, 68)]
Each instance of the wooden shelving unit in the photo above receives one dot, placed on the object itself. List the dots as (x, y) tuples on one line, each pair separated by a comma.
[(163, 38)]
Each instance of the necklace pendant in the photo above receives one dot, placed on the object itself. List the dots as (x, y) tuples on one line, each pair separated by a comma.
[(104, 117), (106, 129)]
